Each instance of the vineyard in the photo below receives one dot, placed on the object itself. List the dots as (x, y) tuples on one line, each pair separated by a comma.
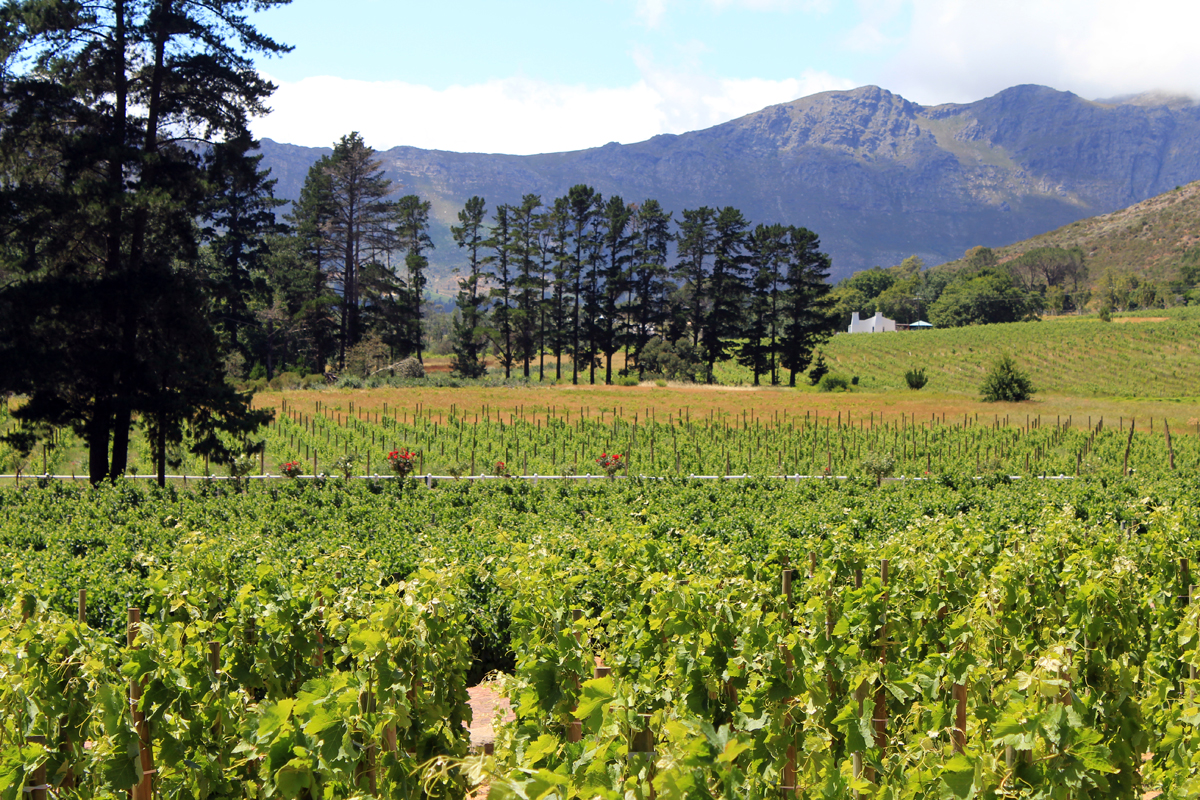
[(1152, 355), (566, 441), (951, 637), (320, 434)]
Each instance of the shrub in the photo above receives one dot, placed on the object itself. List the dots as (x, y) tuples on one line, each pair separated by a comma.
[(678, 361), (285, 380), (344, 466), (1106, 313), (915, 378), (878, 465), (627, 380), (818, 370), (402, 461), (349, 382), (833, 382), (1005, 383), (610, 463), (410, 368)]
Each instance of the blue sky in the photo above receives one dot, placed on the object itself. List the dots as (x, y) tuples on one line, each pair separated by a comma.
[(518, 76)]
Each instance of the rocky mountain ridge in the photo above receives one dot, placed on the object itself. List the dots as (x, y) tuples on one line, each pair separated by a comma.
[(878, 177)]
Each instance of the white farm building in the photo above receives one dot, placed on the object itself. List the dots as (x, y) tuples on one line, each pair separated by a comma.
[(876, 324)]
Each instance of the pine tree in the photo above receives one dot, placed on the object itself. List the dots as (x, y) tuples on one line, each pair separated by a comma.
[(616, 232), (767, 258), (695, 248), (649, 290), (584, 203), (412, 230), (726, 287), (527, 288), (239, 219), (469, 339), (502, 329), (99, 204), (808, 317), (357, 227), (562, 297)]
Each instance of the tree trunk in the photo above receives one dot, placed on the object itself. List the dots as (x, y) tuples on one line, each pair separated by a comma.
[(161, 454), (122, 420), (98, 430)]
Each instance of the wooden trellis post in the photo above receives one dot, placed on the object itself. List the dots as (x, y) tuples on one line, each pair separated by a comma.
[(37, 790), (144, 790)]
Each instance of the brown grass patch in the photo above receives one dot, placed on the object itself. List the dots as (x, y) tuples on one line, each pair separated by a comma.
[(731, 404)]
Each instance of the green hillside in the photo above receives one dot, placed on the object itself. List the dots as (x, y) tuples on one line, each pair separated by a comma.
[(1150, 240), (1134, 356), (1078, 356)]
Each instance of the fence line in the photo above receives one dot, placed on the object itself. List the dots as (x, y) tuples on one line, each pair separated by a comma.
[(428, 479)]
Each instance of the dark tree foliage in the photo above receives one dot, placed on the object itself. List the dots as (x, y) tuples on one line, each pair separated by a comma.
[(617, 240), (357, 233), (470, 341), (726, 287), (239, 219), (412, 234), (526, 284), (819, 369), (768, 260), (502, 330), (1005, 382), (649, 282), (990, 295), (559, 334), (584, 205), (694, 249), (107, 109), (807, 313)]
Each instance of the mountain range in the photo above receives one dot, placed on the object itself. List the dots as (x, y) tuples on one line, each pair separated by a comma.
[(877, 177)]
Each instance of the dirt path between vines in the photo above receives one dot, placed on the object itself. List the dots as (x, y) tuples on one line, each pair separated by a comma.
[(486, 701)]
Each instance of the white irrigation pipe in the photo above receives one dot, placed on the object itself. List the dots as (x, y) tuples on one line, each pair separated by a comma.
[(429, 478)]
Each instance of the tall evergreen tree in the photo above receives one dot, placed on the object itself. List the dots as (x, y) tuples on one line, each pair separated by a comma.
[(412, 229), (695, 249), (584, 204), (99, 203), (357, 226), (616, 234), (562, 297), (239, 221), (548, 248), (808, 317), (649, 290), (526, 283), (470, 341), (302, 267), (726, 287), (761, 333), (502, 330)]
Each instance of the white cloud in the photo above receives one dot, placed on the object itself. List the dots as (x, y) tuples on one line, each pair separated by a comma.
[(650, 12), (868, 36), (517, 115), (963, 50)]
